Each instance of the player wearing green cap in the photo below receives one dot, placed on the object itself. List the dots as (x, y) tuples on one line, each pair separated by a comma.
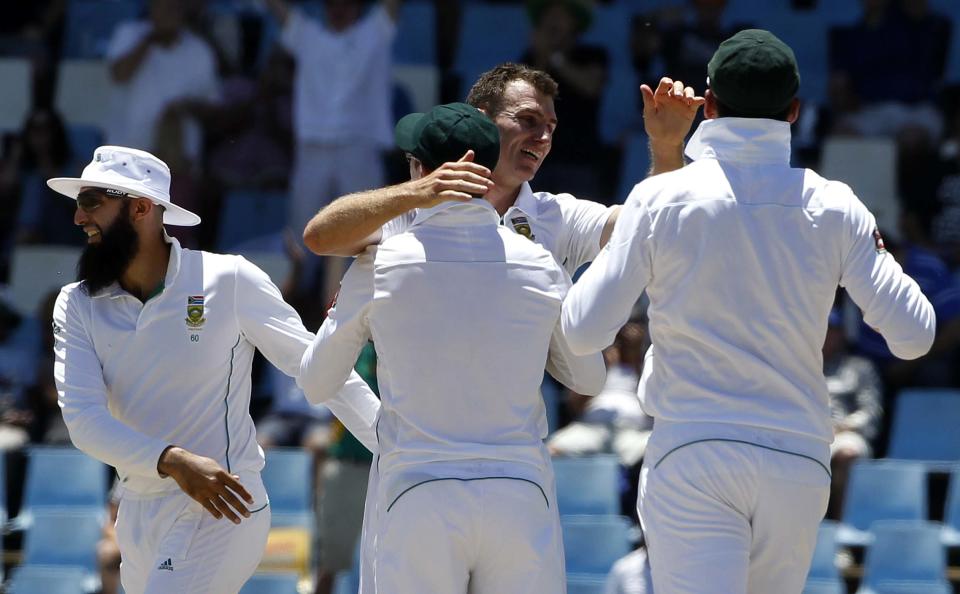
[(462, 498), (741, 256)]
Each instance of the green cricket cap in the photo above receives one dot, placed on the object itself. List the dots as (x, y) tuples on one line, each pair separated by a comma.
[(446, 132), (754, 73)]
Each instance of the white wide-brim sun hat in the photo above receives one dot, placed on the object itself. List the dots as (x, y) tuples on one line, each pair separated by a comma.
[(131, 171)]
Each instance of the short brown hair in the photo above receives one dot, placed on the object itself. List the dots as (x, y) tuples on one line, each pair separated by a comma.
[(487, 92)]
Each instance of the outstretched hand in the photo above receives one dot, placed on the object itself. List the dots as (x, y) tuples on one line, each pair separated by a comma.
[(459, 180), (669, 111), (207, 482)]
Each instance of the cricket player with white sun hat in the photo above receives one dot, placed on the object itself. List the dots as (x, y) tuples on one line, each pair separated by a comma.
[(741, 257), (153, 347)]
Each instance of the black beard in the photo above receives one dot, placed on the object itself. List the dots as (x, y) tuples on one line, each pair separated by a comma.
[(103, 263)]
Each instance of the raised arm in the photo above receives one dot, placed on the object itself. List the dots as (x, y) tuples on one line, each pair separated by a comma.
[(351, 223), (668, 114)]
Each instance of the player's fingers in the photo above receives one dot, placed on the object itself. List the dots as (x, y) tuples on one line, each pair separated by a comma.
[(450, 195), (235, 503), (208, 505), (233, 483), (647, 93), (677, 89), (697, 101), (664, 87), (475, 174), (224, 509), (467, 156)]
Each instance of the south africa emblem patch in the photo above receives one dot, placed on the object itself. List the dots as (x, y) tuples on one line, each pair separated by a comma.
[(195, 319)]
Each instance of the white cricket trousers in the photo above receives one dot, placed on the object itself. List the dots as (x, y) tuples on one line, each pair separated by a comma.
[(723, 517), (323, 172), (480, 536), (171, 544)]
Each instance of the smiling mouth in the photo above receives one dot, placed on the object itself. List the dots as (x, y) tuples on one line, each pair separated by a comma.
[(92, 234), (531, 154)]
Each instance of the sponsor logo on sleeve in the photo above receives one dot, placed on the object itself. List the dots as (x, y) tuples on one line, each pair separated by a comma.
[(878, 241)]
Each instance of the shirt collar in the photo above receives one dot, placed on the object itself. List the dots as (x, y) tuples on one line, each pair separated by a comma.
[(477, 210), (526, 202), (746, 140), (114, 290)]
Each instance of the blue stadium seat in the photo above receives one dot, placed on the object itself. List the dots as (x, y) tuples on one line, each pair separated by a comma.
[(904, 553), (44, 579), (63, 538), (951, 514), (924, 426), (585, 584), (286, 478), (271, 583), (90, 24), (951, 8), (881, 490), (592, 544), (822, 586), (634, 166), (588, 485), (61, 479), (416, 41), (823, 566), (490, 33), (249, 214)]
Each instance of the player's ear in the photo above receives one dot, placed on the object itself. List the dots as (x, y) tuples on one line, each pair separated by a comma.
[(141, 208), (794, 111), (710, 105)]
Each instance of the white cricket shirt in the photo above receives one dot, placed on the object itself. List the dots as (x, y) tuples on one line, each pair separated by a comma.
[(462, 313), (135, 377), (741, 256), (343, 88), (569, 228)]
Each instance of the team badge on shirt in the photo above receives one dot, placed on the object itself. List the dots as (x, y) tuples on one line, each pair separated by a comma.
[(522, 226), (878, 241), (195, 319)]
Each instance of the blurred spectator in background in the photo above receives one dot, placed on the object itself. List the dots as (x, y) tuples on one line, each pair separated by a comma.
[(630, 574), (159, 68), (581, 72), (39, 152), (612, 421), (688, 46), (252, 131), (855, 404), (342, 111), (888, 68), (48, 426), (946, 225), (17, 365)]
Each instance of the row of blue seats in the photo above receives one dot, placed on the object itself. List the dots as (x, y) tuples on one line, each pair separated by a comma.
[(903, 556)]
